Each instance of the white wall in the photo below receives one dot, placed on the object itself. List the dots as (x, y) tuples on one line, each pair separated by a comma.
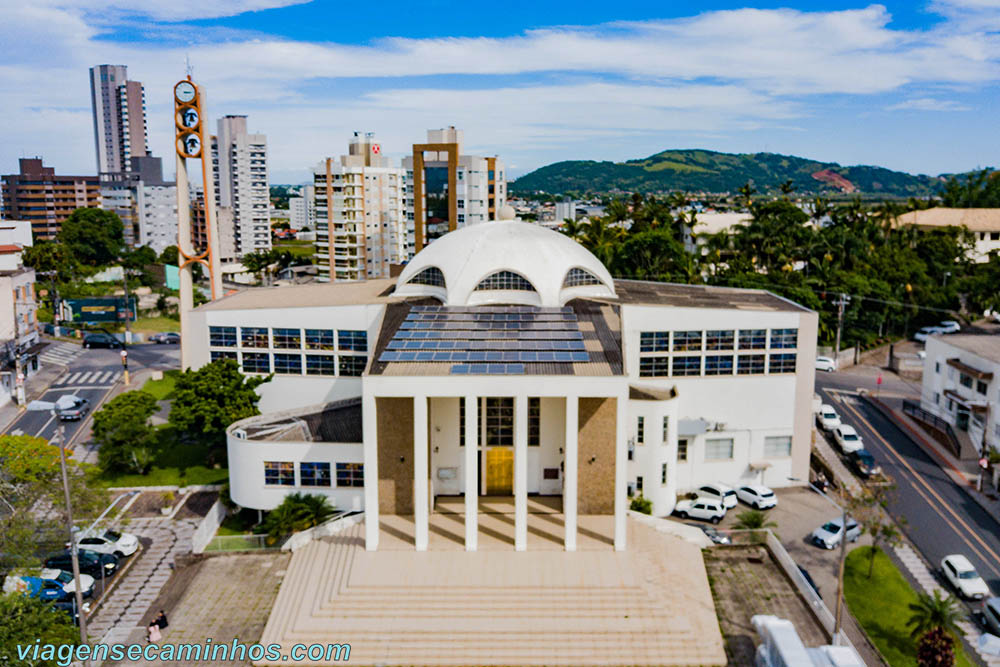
[(939, 376), (246, 471)]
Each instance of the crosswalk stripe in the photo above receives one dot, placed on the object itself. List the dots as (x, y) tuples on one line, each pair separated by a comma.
[(85, 378), (72, 378), (101, 377)]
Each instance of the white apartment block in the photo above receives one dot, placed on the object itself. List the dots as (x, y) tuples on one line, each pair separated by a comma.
[(360, 196), (302, 209), (146, 204), (961, 385), (242, 195), (455, 190)]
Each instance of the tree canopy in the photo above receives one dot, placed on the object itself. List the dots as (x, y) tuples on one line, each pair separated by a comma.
[(95, 237), (207, 400), (30, 621), (50, 258), (123, 431)]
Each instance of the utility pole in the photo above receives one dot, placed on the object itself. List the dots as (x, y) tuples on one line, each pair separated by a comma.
[(61, 435), (844, 299), (128, 306), (18, 370)]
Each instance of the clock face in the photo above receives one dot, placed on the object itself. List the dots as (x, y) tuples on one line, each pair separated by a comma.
[(184, 92)]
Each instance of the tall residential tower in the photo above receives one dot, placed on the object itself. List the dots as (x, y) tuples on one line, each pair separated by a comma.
[(239, 168), (119, 107)]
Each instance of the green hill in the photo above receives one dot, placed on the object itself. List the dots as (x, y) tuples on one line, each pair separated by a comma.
[(709, 171)]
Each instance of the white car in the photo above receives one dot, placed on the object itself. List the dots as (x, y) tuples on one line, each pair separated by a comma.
[(757, 496), (719, 493), (847, 439), (830, 533), (949, 327), (926, 332), (705, 509), (66, 579), (111, 542), (960, 573), (826, 364), (991, 614), (827, 418)]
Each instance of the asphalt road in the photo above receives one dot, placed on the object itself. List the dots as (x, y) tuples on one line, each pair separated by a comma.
[(91, 375), (940, 517)]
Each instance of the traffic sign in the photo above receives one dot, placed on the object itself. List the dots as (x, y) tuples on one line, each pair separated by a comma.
[(984, 463), (879, 380)]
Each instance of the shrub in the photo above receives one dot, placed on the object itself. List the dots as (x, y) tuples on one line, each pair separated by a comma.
[(642, 504)]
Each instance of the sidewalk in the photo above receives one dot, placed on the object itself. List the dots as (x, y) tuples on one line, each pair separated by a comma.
[(34, 386)]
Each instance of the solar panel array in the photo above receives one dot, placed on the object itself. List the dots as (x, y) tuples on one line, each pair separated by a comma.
[(487, 340)]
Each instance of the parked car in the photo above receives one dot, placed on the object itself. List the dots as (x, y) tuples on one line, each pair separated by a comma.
[(70, 407), (991, 615), (827, 418), (961, 574), (93, 340), (92, 563), (68, 583), (809, 580), (705, 509), (165, 338), (719, 492), (111, 542), (34, 587), (826, 364), (712, 533), (68, 606), (863, 463), (847, 439), (830, 533), (757, 496), (949, 327)]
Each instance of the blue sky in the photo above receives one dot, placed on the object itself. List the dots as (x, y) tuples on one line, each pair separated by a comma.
[(909, 86)]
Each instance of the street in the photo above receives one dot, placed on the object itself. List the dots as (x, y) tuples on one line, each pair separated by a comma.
[(940, 518), (90, 375)]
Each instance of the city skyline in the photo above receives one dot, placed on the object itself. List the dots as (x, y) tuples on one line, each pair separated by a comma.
[(908, 88)]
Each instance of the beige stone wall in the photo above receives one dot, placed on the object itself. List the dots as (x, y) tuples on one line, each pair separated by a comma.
[(394, 418), (596, 483)]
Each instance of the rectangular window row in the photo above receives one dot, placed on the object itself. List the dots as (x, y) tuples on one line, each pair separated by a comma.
[(289, 339), (279, 363), (717, 339), (720, 364), (313, 473)]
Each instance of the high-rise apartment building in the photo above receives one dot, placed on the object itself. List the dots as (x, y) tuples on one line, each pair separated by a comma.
[(242, 195), (145, 202), (302, 209), (448, 190), (360, 213), (119, 108), (45, 199)]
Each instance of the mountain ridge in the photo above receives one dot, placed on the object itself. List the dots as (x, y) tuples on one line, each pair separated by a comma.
[(696, 169)]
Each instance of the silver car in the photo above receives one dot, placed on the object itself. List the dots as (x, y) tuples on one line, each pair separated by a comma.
[(71, 408), (830, 533)]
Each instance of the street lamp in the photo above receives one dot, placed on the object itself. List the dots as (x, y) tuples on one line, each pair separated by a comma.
[(843, 555), (42, 406)]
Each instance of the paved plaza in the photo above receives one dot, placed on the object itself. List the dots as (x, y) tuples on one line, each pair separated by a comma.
[(650, 605)]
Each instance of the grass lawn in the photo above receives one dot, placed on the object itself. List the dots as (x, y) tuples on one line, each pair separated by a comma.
[(881, 605), (241, 523), (155, 324), (296, 247), (162, 389), (174, 463)]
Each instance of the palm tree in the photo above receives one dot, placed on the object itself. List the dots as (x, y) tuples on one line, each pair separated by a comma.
[(934, 612), (787, 188), (747, 191), (571, 228), (753, 520), (298, 511)]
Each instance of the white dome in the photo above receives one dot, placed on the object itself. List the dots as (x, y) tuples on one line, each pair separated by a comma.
[(540, 256)]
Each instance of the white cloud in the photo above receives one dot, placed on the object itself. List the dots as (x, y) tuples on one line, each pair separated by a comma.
[(712, 73), (928, 104)]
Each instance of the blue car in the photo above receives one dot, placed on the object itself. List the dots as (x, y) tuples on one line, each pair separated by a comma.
[(35, 587)]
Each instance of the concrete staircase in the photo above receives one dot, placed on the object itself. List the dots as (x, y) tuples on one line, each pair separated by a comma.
[(500, 608)]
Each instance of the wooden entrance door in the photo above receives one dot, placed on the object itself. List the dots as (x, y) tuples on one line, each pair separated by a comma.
[(500, 471)]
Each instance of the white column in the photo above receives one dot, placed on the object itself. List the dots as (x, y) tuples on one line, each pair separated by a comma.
[(621, 457), (520, 473), (570, 470), (420, 483), (471, 472), (370, 436)]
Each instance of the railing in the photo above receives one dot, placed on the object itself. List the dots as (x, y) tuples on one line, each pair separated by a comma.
[(914, 410), (242, 543)]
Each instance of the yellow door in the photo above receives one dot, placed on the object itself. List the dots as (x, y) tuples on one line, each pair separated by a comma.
[(500, 471)]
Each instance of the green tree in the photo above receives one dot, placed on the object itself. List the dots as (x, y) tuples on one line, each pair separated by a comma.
[(169, 255), (53, 259), (207, 400), (259, 263), (94, 237), (298, 511), (753, 520), (934, 612), (139, 258), (870, 510), (123, 431), (29, 621), (747, 191), (641, 504)]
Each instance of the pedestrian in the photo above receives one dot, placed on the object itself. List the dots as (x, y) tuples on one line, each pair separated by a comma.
[(154, 633), (161, 620)]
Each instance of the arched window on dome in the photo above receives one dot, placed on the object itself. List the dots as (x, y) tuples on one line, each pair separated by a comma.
[(505, 280), (579, 277), (430, 276)]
